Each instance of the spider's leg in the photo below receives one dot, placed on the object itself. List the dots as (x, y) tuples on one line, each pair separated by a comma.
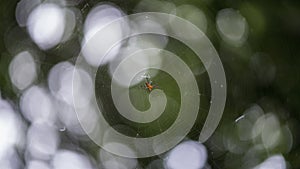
[(147, 80), (143, 86), (147, 76), (155, 86)]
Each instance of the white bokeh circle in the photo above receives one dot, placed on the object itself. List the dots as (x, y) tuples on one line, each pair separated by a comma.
[(143, 147)]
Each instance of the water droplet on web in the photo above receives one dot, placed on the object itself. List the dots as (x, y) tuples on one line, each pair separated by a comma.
[(62, 129), (239, 118)]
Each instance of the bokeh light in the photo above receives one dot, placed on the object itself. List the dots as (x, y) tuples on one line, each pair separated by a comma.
[(46, 24), (189, 155), (109, 160), (96, 43), (42, 141), (34, 164), (23, 70), (192, 14), (37, 105), (70, 159), (232, 26), (274, 162)]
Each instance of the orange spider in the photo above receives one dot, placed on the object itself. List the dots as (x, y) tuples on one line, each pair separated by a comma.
[(148, 84)]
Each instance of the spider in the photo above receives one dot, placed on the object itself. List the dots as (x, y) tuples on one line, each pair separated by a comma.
[(148, 84)]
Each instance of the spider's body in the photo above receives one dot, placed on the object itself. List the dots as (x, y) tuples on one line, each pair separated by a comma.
[(148, 84)]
